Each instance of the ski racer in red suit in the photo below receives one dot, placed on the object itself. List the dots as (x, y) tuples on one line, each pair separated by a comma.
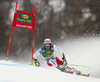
[(48, 52)]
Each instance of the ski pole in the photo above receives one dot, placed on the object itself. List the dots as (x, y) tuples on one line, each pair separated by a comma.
[(79, 65)]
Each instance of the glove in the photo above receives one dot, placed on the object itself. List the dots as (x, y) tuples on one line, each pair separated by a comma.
[(37, 63), (64, 62)]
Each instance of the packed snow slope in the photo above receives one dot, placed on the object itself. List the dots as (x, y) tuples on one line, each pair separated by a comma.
[(14, 72), (78, 51), (83, 51)]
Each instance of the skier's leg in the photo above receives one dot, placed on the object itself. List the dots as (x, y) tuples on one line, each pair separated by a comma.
[(49, 64), (77, 72), (55, 62), (74, 70), (52, 62), (59, 62), (60, 65), (63, 67)]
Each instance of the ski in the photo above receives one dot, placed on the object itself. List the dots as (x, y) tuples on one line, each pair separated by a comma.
[(73, 71), (70, 72), (87, 75)]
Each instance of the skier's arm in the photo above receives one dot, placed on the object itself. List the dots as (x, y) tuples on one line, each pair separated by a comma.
[(61, 53), (35, 55)]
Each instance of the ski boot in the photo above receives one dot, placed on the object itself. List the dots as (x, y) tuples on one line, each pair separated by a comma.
[(71, 72), (65, 70), (87, 75), (79, 73)]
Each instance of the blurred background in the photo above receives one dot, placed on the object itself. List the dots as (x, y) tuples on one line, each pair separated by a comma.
[(58, 20)]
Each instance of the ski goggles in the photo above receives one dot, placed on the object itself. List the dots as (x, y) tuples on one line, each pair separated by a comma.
[(47, 44)]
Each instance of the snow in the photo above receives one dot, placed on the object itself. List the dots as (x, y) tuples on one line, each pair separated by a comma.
[(14, 72), (82, 51), (85, 52)]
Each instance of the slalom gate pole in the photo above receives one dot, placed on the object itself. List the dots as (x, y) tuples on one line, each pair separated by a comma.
[(32, 47), (33, 37), (11, 35), (79, 65)]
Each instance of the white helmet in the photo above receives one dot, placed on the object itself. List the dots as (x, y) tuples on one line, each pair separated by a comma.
[(47, 41)]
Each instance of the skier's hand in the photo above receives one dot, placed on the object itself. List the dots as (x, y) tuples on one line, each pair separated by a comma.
[(37, 63), (64, 62)]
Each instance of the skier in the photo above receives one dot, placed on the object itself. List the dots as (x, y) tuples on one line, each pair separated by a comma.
[(48, 52)]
